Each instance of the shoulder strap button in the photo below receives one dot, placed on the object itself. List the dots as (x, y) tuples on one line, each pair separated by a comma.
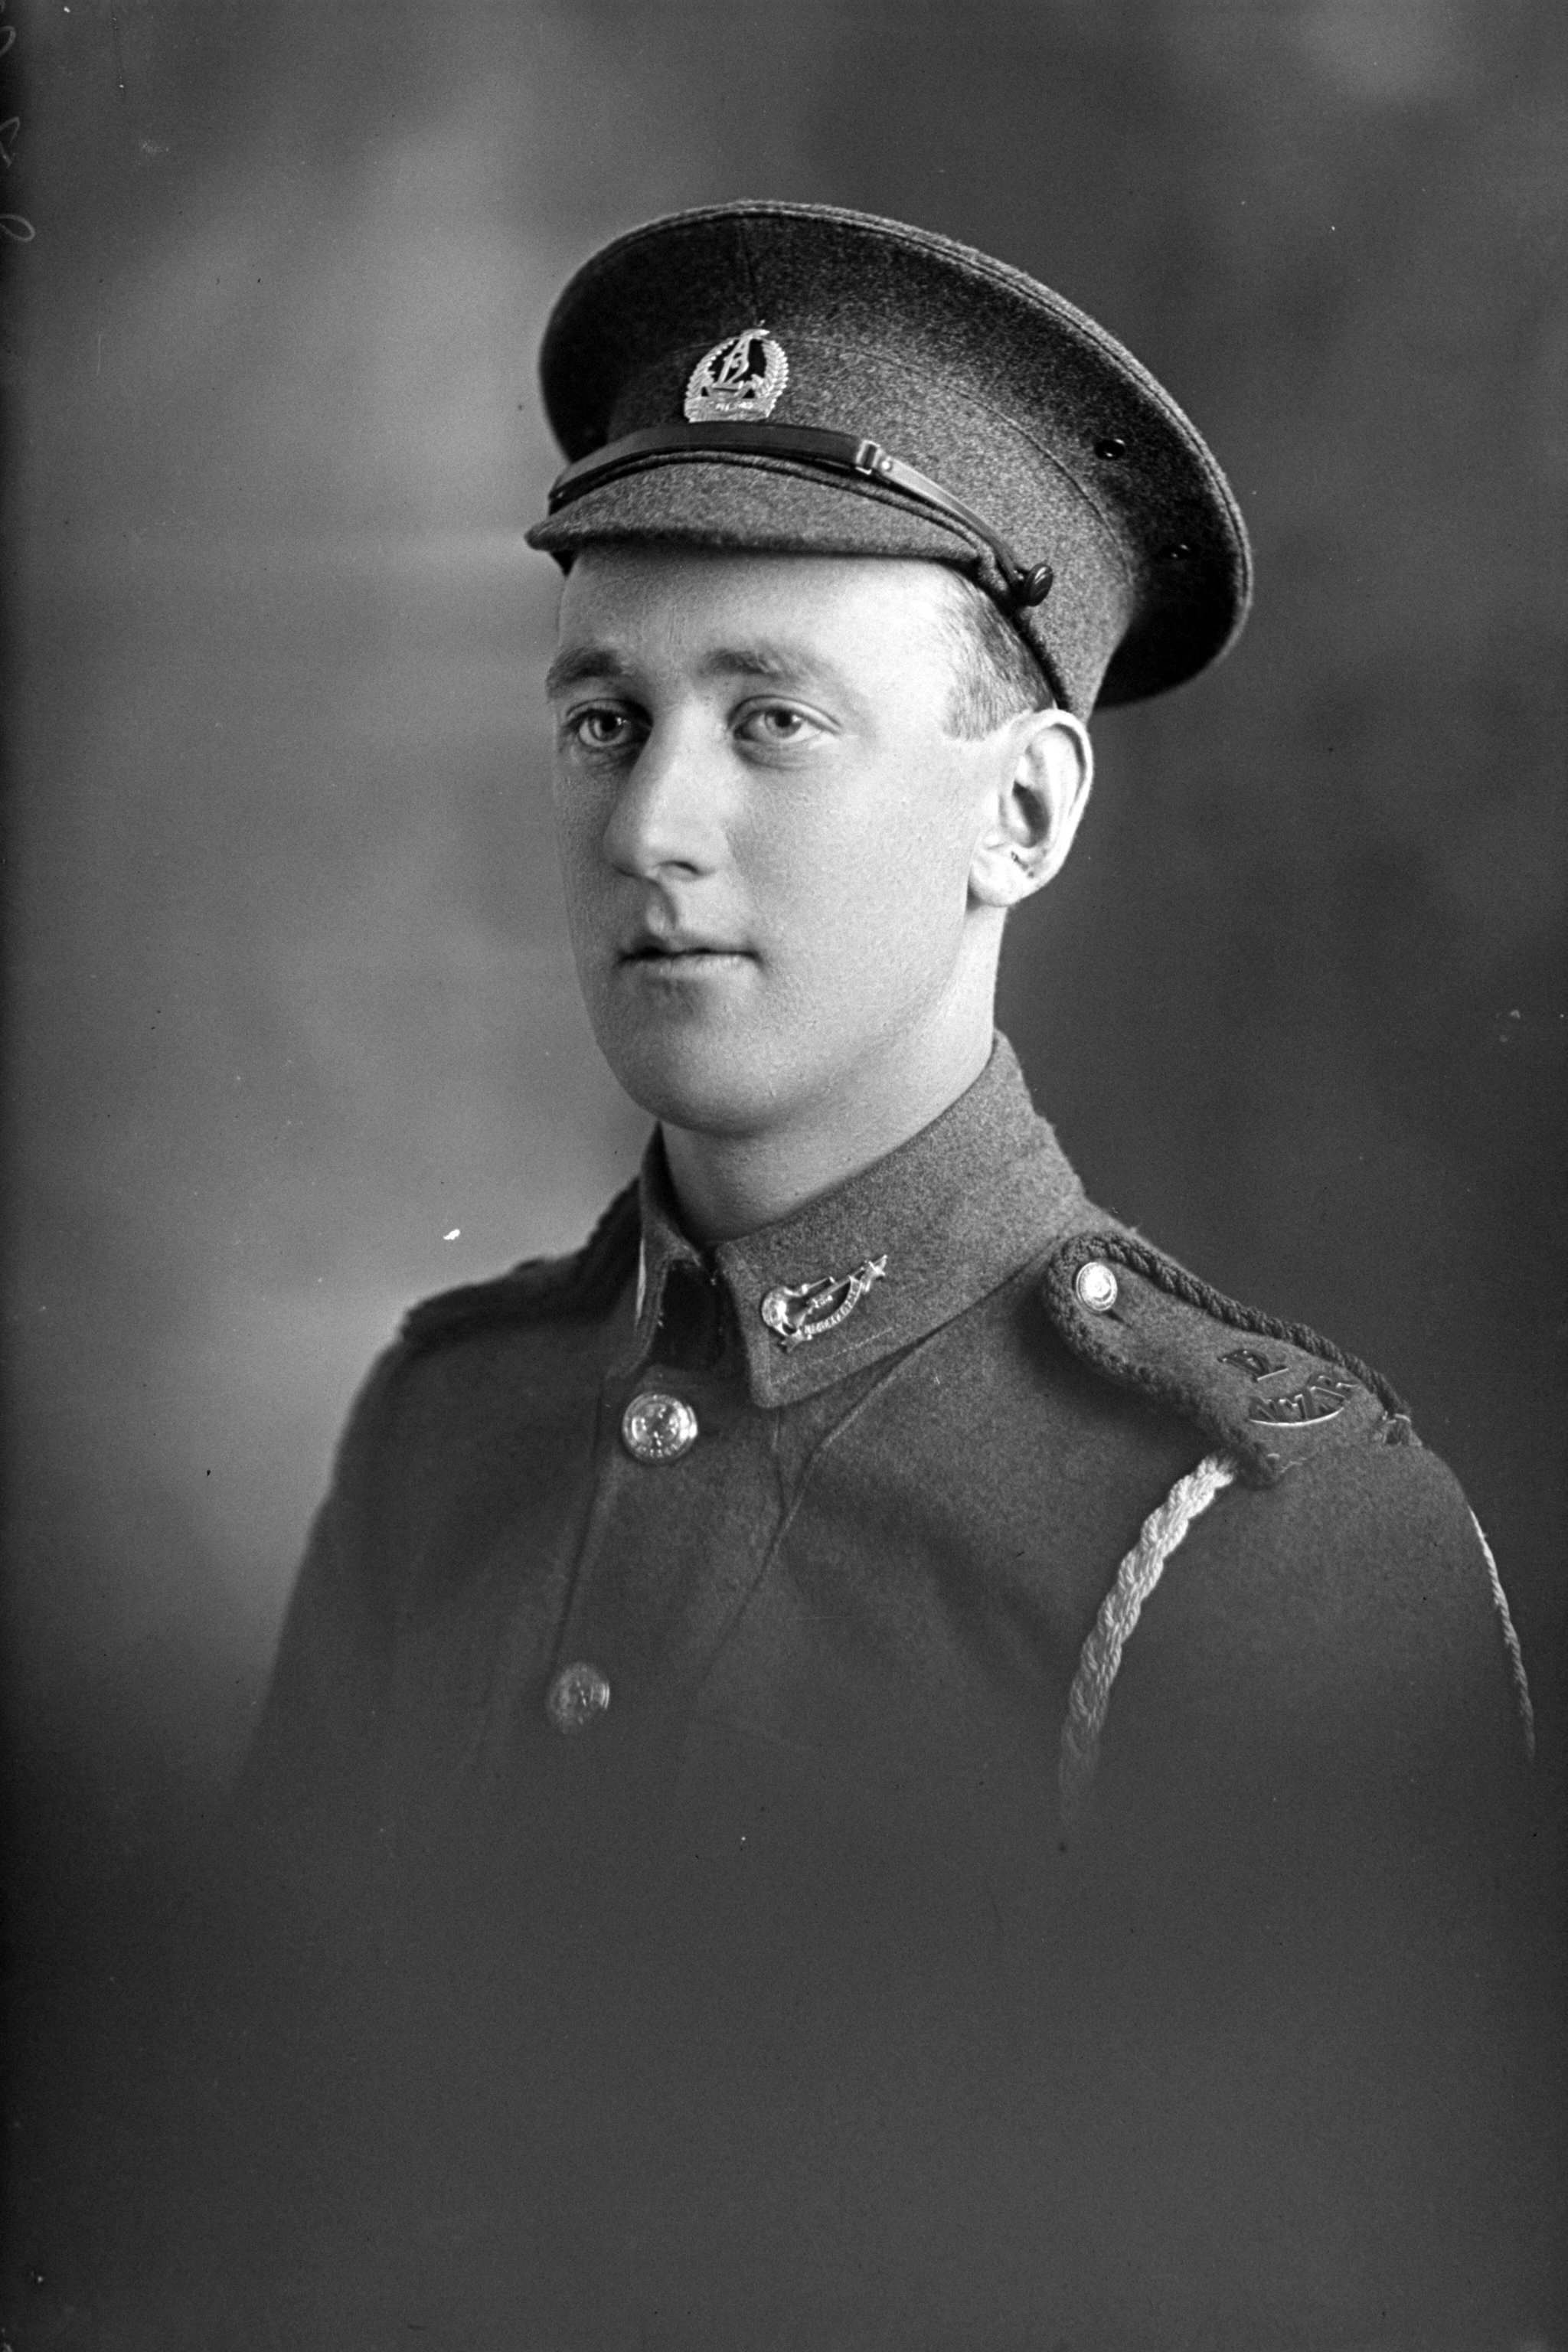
[(1096, 1287)]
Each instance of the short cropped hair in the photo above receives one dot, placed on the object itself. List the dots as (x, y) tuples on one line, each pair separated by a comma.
[(995, 675)]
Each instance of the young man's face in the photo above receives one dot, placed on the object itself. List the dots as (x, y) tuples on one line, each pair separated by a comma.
[(766, 828)]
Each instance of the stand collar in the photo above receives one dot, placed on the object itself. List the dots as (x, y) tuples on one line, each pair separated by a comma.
[(876, 1264)]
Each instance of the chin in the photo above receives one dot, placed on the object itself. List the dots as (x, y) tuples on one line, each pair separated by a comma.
[(711, 1078), (697, 1092)]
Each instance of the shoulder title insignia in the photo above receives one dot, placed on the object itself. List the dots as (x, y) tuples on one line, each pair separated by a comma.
[(795, 1312), (740, 380), (1320, 1397)]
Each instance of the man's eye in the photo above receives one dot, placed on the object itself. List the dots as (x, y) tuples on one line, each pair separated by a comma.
[(775, 722), (600, 731)]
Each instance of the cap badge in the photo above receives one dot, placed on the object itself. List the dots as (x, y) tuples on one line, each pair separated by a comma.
[(795, 1312), (739, 379)]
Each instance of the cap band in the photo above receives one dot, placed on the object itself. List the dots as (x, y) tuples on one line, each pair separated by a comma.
[(831, 453)]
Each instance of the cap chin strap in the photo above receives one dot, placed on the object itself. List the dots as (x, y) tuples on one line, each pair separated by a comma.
[(829, 453)]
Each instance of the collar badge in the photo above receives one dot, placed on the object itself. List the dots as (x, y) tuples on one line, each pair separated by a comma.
[(740, 380), (796, 1312)]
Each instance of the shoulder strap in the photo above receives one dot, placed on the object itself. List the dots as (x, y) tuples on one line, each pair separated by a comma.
[(1268, 1393), (583, 1282)]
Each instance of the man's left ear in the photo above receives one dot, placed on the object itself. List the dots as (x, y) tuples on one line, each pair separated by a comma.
[(1042, 790)]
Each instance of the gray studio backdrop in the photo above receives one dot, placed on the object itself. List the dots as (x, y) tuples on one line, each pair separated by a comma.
[(293, 1031)]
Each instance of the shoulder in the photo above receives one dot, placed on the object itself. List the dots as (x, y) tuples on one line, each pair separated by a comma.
[(1273, 1394), (581, 1283), (1319, 1569), (440, 1374)]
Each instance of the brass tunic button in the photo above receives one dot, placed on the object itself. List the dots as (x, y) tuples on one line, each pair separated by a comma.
[(1096, 1287), (576, 1696), (658, 1428)]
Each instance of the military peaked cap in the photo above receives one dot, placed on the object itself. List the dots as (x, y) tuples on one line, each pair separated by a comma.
[(807, 381)]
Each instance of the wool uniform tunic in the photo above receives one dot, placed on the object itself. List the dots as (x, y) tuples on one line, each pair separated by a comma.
[(709, 1882)]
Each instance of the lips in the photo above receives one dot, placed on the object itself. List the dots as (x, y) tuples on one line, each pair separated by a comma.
[(648, 946)]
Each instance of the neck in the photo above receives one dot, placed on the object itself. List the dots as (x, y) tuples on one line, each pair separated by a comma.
[(728, 1185)]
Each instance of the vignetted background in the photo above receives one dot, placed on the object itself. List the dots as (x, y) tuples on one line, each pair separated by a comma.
[(293, 1031)]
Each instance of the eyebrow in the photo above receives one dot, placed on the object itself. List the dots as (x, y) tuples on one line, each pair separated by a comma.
[(782, 665), (580, 663)]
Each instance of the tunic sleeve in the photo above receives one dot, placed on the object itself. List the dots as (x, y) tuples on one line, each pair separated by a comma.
[(271, 2031), (1319, 1856)]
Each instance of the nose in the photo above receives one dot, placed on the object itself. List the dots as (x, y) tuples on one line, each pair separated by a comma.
[(668, 812)]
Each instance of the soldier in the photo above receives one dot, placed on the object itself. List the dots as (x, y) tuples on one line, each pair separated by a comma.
[(865, 1760)]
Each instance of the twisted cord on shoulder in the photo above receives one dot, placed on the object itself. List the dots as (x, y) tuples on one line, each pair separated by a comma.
[(1510, 1642), (1196, 1293), (1136, 1577)]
